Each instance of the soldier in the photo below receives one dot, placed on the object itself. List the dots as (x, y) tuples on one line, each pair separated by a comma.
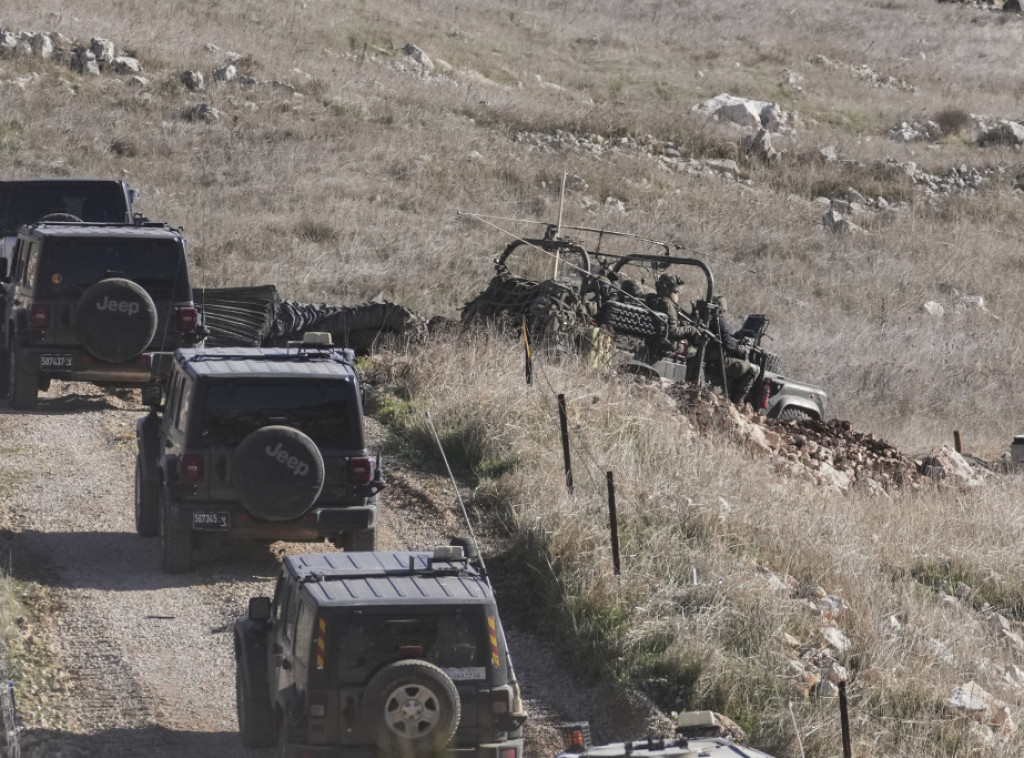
[(667, 301), (740, 373)]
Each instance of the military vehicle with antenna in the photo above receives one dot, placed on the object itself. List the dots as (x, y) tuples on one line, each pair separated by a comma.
[(571, 298), (379, 655)]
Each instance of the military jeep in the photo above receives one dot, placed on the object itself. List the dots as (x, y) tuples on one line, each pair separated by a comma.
[(259, 444), (576, 299), (101, 303), (378, 654)]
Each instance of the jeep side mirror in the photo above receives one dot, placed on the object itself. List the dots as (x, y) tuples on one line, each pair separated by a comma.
[(259, 608)]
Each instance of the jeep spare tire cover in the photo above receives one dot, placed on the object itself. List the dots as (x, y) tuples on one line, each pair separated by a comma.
[(277, 473), (115, 319)]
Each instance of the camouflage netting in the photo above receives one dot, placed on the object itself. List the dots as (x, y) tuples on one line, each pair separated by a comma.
[(254, 316), (554, 314), (360, 327)]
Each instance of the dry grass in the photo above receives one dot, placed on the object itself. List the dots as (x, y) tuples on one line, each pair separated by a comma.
[(351, 187), (692, 620)]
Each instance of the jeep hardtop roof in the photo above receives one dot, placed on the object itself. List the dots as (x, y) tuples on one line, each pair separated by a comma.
[(67, 229), (250, 362), (388, 579)]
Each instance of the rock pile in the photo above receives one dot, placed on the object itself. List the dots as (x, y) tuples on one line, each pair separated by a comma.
[(864, 73), (828, 453), (93, 59)]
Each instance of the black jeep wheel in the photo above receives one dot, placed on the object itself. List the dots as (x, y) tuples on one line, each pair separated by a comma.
[(147, 503), (358, 541), (175, 539), (255, 714), (115, 319), (277, 472), (794, 414), (411, 709), (22, 381), (5, 376)]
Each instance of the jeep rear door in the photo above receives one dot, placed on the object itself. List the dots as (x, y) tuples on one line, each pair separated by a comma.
[(71, 264)]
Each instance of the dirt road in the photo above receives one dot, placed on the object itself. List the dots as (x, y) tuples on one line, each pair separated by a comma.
[(141, 662)]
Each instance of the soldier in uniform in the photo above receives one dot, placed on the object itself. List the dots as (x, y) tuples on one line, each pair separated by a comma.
[(739, 372), (666, 301)]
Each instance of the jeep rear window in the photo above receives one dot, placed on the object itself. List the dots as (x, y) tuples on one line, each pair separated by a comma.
[(359, 646), (29, 202), (70, 265), (323, 410)]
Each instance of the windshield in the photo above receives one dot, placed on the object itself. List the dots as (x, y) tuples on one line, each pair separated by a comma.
[(361, 645), (158, 265), (325, 411), (26, 203)]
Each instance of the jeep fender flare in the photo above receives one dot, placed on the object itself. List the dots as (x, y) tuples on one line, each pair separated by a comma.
[(797, 403), (147, 433)]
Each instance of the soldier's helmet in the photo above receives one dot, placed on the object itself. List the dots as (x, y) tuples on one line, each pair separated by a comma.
[(667, 284), (719, 300)]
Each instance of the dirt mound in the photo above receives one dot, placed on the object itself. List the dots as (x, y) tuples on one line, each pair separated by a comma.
[(830, 453)]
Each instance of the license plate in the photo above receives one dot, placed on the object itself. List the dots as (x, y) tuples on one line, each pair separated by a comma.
[(211, 520), (55, 360)]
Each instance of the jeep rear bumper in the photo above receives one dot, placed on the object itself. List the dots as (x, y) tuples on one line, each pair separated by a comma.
[(314, 525), (71, 364)]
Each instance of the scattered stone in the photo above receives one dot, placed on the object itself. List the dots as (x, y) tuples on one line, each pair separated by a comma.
[(421, 58), (42, 45), (934, 309), (865, 74), (225, 74), (752, 114), (759, 146), (972, 701), (1007, 133), (193, 80), (203, 112), (103, 49), (123, 64)]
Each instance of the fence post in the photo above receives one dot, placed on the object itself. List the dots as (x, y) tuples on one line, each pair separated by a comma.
[(614, 521), (958, 441), (563, 421), (844, 719)]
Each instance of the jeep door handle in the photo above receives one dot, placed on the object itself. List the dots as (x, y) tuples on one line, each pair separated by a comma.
[(284, 663)]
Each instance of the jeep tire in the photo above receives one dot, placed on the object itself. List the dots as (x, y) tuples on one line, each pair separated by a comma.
[(147, 503), (255, 714), (5, 373), (277, 472), (175, 538), (116, 320), (411, 709), (22, 381)]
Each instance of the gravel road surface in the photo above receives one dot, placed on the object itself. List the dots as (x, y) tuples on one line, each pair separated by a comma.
[(143, 662)]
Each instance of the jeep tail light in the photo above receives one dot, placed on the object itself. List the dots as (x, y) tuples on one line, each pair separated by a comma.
[(501, 700), (188, 319), (509, 752), (360, 470), (191, 468), (39, 316), (317, 704)]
